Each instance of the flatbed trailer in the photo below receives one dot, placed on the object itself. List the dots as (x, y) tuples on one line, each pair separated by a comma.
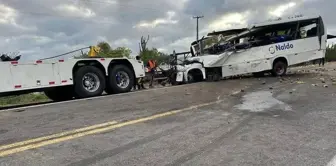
[(72, 78)]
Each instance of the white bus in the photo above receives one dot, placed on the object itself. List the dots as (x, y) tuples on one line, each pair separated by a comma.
[(270, 46)]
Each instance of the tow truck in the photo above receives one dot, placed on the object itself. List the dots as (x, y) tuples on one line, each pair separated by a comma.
[(65, 79)]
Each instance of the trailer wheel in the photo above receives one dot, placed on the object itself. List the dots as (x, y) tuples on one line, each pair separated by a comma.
[(279, 68), (59, 93), (120, 80), (89, 81)]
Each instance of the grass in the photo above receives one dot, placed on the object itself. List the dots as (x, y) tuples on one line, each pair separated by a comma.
[(23, 99)]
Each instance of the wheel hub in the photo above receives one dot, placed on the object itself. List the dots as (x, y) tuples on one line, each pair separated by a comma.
[(91, 82), (280, 70), (123, 79)]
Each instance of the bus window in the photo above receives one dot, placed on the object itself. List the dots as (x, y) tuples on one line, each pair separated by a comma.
[(307, 29)]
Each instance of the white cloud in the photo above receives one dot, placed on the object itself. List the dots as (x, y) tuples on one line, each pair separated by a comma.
[(159, 21), (228, 21), (122, 42), (75, 11), (280, 10), (7, 14)]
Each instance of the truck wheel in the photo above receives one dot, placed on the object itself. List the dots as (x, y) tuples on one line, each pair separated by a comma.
[(279, 68), (59, 93), (89, 82), (120, 79)]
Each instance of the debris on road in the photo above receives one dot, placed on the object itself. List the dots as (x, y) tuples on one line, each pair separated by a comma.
[(326, 86), (322, 80)]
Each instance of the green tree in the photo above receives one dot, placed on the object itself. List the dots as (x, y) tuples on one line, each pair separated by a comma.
[(155, 55), (331, 53), (106, 51)]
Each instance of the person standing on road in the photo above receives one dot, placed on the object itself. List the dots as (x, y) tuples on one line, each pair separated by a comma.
[(152, 69), (139, 81), (322, 61)]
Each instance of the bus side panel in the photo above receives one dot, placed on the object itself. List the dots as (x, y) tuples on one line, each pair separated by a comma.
[(237, 63), (6, 81), (308, 49), (258, 61)]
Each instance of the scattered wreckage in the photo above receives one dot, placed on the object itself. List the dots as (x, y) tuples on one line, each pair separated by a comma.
[(268, 47)]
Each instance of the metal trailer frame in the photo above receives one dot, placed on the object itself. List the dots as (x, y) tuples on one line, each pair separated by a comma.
[(55, 75)]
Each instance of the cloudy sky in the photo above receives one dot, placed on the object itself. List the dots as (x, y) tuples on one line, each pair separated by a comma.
[(43, 28)]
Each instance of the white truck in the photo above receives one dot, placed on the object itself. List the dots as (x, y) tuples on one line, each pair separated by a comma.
[(65, 79), (270, 46)]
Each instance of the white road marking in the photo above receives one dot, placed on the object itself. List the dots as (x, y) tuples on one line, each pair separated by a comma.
[(92, 98)]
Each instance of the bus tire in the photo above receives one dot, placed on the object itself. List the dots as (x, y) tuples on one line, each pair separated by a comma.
[(89, 82), (120, 85), (59, 93), (279, 68), (259, 74)]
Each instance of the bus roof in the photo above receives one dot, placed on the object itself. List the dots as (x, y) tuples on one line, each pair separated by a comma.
[(284, 20), (227, 32)]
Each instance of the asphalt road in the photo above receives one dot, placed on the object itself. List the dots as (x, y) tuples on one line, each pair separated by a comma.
[(246, 121)]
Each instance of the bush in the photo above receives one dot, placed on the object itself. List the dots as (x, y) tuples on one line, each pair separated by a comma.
[(331, 53)]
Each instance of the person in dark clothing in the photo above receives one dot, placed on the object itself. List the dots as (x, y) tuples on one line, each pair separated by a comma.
[(152, 70), (322, 61), (138, 81)]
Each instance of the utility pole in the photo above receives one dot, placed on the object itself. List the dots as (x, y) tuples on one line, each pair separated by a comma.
[(197, 17)]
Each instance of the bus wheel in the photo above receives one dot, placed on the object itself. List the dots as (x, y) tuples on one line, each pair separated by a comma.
[(259, 74), (279, 68), (89, 82)]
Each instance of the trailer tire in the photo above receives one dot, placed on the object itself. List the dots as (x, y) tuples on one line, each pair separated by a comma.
[(112, 82), (279, 68), (92, 75), (60, 93)]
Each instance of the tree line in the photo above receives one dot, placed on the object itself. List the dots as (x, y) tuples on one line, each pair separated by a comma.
[(106, 51), (331, 53)]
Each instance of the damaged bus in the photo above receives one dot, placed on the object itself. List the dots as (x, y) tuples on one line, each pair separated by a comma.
[(192, 69), (270, 47)]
